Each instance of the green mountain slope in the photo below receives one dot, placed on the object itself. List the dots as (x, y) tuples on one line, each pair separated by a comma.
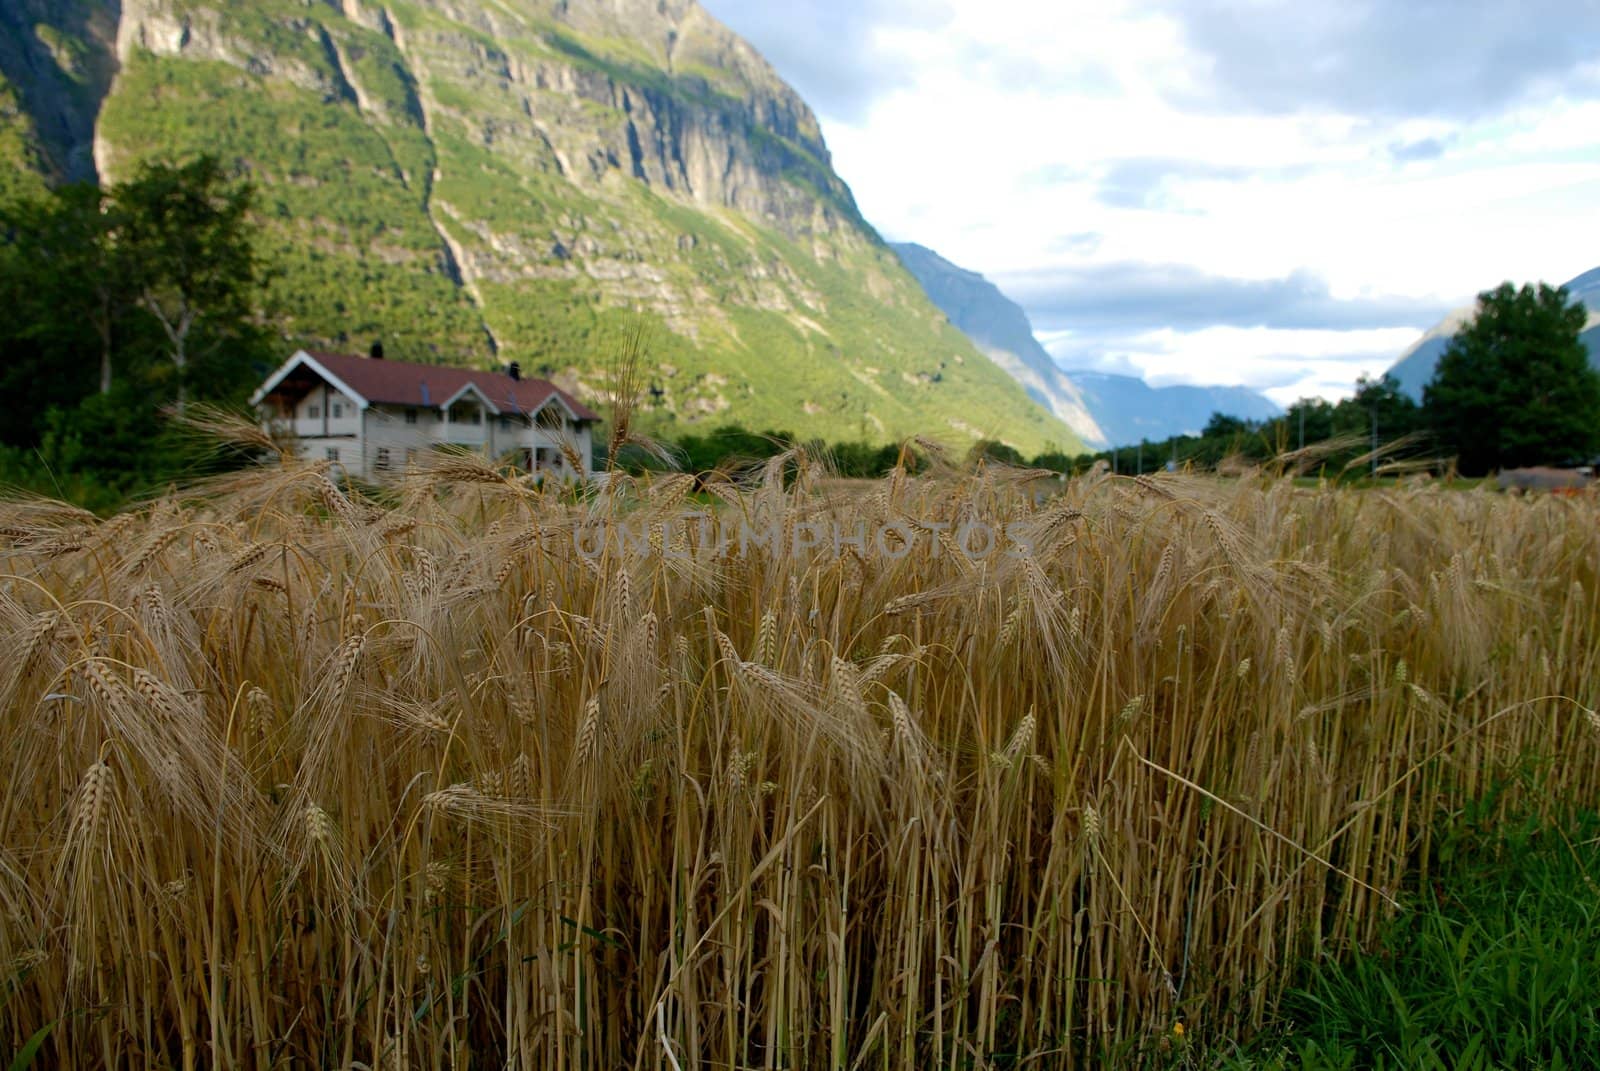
[(481, 180)]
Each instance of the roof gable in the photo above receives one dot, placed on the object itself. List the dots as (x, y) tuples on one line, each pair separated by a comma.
[(302, 359), (467, 388), (428, 386)]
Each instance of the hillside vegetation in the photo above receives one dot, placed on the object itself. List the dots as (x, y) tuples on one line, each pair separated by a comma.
[(294, 776), (524, 179)]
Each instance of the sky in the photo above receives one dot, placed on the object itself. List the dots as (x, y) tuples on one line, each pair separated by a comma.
[(1280, 195)]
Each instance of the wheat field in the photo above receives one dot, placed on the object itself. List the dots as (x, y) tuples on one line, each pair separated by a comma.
[(444, 777)]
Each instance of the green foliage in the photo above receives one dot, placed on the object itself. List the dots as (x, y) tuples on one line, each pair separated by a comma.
[(734, 449), (1056, 461), (730, 447), (192, 265), (21, 170), (861, 460), (1000, 453), (1383, 405), (1494, 963), (51, 246), (552, 255), (350, 250), (1515, 387), (1338, 438), (108, 289), (29, 1052)]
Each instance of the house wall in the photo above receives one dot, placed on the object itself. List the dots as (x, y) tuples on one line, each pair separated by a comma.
[(319, 431), (346, 451), (388, 431), (322, 402), (379, 442), (391, 442)]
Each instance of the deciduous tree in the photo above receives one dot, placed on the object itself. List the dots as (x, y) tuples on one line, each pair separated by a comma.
[(1515, 387), (188, 228)]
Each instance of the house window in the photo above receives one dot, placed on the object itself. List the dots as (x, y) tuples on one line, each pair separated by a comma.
[(338, 410), (313, 412), (332, 453), (477, 416), (505, 422), (411, 416), (550, 417), (383, 459)]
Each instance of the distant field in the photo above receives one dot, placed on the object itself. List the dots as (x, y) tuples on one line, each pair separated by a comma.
[(894, 774)]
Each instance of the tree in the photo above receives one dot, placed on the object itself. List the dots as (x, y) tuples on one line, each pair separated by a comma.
[(1308, 421), (1382, 398), (1515, 386), (155, 276), (994, 451), (1223, 426), (69, 248), (187, 226), (1379, 412)]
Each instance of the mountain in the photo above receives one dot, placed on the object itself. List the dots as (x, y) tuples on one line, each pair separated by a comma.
[(1130, 410), (1105, 410), (998, 326), (1416, 366), (479, 181)]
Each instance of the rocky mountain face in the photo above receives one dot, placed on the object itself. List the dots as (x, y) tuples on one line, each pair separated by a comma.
[(1416, 366), (1105, 410), (998, 326), (483, 180), (57, 60)]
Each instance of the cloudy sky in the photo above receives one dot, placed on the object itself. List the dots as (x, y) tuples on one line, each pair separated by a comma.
[(1265, 192)]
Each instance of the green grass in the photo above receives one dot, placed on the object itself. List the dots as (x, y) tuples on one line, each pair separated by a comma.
[(1494, 963)]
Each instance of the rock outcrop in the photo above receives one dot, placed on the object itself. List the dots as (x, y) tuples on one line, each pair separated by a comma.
[(527, 179)]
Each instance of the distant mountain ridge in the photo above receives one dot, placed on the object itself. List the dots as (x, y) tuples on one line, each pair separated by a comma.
[(477, 181), (1132, 411), (998, 326), (1105, 410), (1416, 366)]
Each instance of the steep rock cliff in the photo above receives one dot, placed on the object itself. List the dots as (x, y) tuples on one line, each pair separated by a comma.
[(999, 327), (531, 179)]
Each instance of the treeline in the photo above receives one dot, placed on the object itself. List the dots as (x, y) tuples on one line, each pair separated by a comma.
[(1516, 387), (122, 305), (127, 303), (1378, 428)]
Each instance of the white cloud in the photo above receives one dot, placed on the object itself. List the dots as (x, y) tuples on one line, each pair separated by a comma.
[(1285, 365), (1070, 136)]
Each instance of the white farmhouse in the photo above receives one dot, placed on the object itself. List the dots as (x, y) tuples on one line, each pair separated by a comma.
[(372, 415)]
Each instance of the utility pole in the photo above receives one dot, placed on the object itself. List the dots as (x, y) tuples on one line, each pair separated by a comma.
[(1374, 444)]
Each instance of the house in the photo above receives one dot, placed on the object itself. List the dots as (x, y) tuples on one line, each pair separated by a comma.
[(372, 416)]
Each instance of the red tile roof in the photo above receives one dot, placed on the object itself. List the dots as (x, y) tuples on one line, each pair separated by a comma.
[(430, 385)]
